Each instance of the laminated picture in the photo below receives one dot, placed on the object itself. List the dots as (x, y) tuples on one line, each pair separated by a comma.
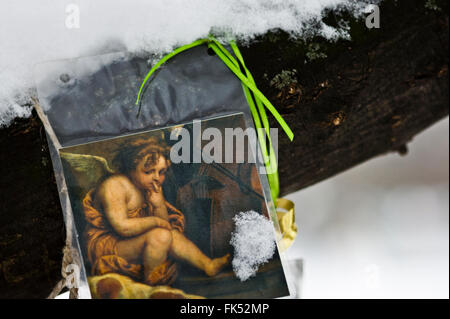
[(158, 215)]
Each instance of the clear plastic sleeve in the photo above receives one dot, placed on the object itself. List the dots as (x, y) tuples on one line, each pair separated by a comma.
[(92, 99)]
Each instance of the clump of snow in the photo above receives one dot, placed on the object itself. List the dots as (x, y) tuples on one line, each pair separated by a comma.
[(253, 241), (32, 31)]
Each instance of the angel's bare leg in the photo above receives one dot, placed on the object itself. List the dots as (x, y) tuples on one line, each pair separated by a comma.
[(151, 248), (154, 246), (183, 249)]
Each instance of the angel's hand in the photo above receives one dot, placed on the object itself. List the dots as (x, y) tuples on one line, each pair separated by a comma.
[(159, 222), (177, 222), (155, 196)]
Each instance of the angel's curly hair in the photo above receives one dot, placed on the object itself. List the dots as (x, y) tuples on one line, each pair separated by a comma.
[(131, 153)]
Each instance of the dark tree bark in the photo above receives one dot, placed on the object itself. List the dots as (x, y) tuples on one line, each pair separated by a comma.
[(367, 97)]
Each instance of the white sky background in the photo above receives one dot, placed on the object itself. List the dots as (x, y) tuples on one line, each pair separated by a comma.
[(379, 230), (34, 31)]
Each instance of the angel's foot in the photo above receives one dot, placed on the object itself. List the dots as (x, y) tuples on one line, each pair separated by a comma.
[(217, 264)]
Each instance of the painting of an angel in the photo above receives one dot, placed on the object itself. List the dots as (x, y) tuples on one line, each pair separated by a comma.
[(131, 232)]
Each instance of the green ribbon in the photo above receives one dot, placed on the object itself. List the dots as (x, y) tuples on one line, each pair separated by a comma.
[(256, 100), (164, 59), (270, 160)]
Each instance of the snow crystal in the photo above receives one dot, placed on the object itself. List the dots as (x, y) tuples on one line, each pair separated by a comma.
[(253, 241)]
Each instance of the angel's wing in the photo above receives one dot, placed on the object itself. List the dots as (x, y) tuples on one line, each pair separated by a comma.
[(86, 169)]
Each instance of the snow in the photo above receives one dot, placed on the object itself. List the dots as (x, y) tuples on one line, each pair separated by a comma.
[(254, 243), (32, 31)]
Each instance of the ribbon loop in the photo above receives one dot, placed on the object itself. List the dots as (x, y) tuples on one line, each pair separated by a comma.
[(253, 95)]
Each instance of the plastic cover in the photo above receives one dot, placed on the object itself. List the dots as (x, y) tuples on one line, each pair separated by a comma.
[(92, 99)]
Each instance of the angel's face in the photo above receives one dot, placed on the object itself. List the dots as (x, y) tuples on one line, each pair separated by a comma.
[(150, 177)]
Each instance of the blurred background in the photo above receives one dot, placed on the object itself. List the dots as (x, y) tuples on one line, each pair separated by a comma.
[(379, 230)]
